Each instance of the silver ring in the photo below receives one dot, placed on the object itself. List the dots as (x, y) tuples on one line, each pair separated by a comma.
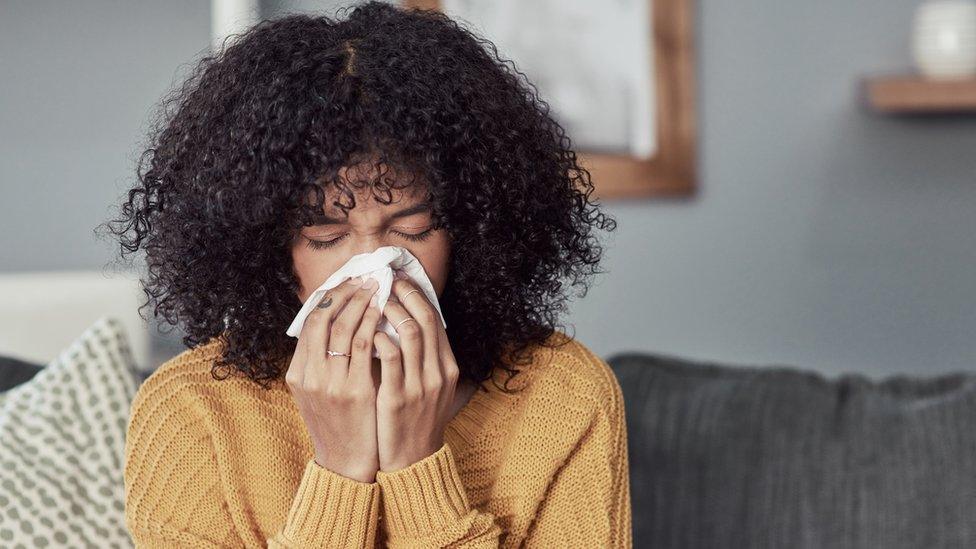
[(409, 318), (336, 353), (408, 293)]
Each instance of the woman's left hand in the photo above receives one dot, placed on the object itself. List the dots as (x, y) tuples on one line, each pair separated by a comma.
[(418, 380)]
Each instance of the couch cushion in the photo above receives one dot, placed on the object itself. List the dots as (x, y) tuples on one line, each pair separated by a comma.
[(737, 456), (62, 446), (14, 371)]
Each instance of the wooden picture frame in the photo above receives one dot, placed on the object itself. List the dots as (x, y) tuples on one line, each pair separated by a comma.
[(671, 171)]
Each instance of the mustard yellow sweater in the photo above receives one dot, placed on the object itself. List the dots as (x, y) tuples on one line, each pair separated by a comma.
[(228, 464)]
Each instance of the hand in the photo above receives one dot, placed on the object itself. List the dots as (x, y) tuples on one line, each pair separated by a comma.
[(336, 395), (418, 380)]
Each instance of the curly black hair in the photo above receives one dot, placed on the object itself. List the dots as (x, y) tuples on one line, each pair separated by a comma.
[(264, 124)]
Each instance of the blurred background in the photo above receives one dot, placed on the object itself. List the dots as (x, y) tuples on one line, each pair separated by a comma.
[(822, 233)]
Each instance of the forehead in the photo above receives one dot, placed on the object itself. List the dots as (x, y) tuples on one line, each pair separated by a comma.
[(368, 198), (370, 188)]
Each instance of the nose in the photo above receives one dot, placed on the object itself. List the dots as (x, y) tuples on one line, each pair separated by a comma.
[(367, 243)]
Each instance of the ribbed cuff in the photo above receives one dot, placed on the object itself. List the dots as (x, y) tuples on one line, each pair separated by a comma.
[(424, 497), (331, 510)]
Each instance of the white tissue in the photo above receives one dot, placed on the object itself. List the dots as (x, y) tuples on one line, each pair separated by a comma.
[(379, 265)]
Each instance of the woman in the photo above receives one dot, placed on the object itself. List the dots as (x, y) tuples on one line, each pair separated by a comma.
[(310, 140)]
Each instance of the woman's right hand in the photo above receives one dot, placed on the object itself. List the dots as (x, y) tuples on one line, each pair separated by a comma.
[(336, 395)]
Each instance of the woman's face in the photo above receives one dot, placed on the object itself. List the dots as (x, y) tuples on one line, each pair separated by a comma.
[(321, 249)]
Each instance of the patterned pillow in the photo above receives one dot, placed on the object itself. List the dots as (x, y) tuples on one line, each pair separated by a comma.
[(62, 441)]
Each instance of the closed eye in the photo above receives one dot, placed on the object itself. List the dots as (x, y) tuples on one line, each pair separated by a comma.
[(322, 244)]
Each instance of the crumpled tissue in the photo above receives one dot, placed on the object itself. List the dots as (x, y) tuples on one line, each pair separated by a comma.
[(379, 265)]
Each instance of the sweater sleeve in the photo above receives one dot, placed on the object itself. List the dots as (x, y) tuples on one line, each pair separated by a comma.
[(174, 496), (587, 503), (330, 510), (425, 505)]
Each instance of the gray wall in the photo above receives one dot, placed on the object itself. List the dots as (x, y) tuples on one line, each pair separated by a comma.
[(77, 81), (824, 236)]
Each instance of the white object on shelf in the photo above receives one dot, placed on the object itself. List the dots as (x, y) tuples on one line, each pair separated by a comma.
[(944, 38)]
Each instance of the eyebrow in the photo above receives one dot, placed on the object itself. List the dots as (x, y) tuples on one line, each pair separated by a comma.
[(322, 219)]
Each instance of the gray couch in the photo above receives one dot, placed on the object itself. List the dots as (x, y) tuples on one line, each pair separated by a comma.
[(752, 457)]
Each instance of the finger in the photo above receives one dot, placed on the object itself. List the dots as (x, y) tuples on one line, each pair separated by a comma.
[(361, 363), (316, 327), (411, 342), (449, 365), (445, 351), (295, 374), (420, 308), (345, 325), (391, 365)]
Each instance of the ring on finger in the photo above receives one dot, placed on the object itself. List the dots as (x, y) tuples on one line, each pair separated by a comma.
[(408, 293), (409, 318), (335, 353)]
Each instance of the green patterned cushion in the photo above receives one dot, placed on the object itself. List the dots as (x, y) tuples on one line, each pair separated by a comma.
[(62, 443)]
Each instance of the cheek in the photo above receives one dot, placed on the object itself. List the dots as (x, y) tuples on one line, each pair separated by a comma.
[(435, 259), (313, 267)]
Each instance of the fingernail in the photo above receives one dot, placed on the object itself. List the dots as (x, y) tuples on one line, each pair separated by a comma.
[(356, 281), (372, 302), (370, 284)]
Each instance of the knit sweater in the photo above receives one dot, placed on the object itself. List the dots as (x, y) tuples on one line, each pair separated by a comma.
[(226, 463)]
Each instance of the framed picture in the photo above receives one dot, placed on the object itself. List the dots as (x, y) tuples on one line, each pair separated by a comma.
[(618, 76)]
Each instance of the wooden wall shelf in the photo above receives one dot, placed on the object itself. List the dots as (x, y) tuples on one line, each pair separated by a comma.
[(914, 94)]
